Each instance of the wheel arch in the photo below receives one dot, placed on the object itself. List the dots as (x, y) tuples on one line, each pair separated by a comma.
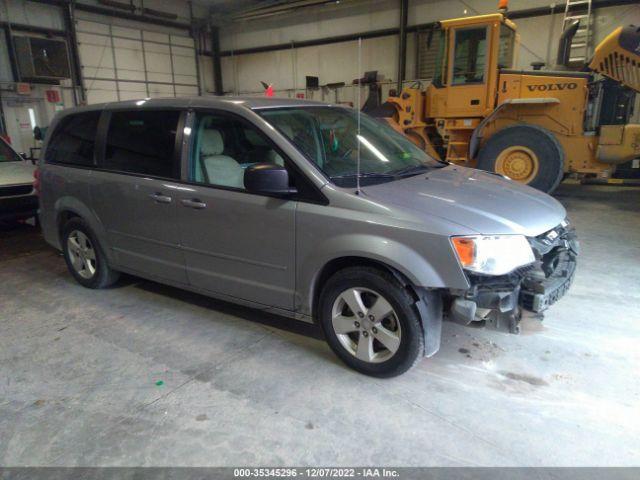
[(340, 263), (67, 208), (427, 302)]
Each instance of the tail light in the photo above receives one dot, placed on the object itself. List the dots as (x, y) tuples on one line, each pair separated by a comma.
[(36, 180)]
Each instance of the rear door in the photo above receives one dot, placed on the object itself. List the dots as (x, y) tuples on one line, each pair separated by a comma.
[(134, 190), (235, 243)]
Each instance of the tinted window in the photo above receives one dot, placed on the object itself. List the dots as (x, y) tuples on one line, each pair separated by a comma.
[(224, 147), (143, 142), (74, 140), (470, 55)]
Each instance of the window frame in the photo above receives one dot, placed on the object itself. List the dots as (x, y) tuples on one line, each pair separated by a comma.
[(452, 55), (314, 195), (103, 132)]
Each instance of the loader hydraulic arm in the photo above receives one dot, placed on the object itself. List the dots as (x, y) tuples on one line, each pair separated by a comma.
[(618, 57)]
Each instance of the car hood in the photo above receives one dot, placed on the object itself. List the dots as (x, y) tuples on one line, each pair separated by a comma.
[(13, 173), (480, 201)]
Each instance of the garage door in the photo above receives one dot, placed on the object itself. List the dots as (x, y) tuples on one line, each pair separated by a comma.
[(121, 63)]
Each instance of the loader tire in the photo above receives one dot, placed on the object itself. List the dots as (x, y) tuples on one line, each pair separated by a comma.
[(527, 154)]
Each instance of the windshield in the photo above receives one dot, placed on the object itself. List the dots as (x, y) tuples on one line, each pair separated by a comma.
[(328, 136), (7, 154)]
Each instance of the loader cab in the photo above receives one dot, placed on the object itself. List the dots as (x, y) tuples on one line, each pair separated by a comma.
[(471, 52)]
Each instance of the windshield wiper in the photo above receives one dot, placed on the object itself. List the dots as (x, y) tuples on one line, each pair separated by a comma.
[(410, 170), (364, 175)]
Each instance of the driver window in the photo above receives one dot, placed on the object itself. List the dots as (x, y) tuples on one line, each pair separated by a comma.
[(470, 55), (224, 147)]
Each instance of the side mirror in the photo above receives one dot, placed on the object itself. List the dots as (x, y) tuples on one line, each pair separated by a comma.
[(267, 178)]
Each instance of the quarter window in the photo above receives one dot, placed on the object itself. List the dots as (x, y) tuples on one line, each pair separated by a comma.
[(74, 141), (470, 55), (223, 147), (143, 142)]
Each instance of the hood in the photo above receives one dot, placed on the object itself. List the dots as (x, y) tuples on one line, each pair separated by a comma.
[(14, 173), (480, 201)]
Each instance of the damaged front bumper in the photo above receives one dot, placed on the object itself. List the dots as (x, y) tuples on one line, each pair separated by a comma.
[(497, 301)]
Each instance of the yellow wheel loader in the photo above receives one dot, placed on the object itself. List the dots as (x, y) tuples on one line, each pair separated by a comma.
[(533, 126)]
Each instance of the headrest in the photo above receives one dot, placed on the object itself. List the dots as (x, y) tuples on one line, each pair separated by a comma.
[(211, 142)]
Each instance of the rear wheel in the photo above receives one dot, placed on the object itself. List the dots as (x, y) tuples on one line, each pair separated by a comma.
[(370, 322), (84, 256), (526, 154)]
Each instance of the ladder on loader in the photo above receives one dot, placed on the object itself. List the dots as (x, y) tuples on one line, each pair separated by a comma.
[(579, 10)]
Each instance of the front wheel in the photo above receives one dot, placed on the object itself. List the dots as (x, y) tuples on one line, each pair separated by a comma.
[(527, 154), (370, 322)]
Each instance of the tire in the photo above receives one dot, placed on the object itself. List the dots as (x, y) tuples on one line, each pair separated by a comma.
[(401, 329), (542, 143), (76, 237)]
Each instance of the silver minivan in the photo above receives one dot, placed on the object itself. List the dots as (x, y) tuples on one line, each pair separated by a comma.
[(305, 209)]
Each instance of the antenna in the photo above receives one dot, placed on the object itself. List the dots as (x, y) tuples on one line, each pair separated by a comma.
[(358, 114)]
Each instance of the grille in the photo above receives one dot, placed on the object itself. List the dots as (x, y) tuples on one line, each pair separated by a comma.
[(15, 190), (622, 68)]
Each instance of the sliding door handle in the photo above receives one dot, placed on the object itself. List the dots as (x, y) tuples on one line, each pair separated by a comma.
[(160, 198), (194, 203)]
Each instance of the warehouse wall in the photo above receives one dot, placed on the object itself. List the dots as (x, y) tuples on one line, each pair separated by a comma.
[(286, 69), (119, 59)]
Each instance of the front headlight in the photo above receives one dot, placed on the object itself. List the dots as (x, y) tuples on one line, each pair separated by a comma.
[(492, 254)]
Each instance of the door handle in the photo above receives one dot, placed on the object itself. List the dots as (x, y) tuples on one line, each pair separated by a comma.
[(158, 197), (194, 203)]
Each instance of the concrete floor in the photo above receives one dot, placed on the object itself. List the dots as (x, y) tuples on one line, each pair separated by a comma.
[(143, 374)]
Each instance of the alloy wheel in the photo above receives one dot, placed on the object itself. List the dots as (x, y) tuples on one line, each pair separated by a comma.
[(82, 254), (366, 325)]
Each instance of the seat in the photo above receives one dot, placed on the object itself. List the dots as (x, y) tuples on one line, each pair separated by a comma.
[(221, 169)]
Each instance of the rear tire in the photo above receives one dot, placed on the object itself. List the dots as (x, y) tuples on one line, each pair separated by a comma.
[(527, 154), (84, 256), (384, 337)]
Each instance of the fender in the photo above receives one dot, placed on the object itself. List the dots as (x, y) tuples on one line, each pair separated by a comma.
[(398, 256)]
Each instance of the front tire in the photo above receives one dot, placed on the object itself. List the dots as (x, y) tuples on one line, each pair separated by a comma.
[(84, 256), (370, 322), (527, 154)]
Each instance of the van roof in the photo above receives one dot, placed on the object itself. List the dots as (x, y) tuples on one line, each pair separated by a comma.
[(203, 101)]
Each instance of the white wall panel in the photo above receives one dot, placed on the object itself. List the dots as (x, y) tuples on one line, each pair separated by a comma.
[(99, 91), (186, 90)]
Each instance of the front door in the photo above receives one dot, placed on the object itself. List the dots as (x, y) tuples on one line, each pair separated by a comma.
[(235, 243), (134, 192), (467, 95)]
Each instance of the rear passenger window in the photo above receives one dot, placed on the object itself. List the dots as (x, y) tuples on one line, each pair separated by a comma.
[(74, 141), (143, 142)]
